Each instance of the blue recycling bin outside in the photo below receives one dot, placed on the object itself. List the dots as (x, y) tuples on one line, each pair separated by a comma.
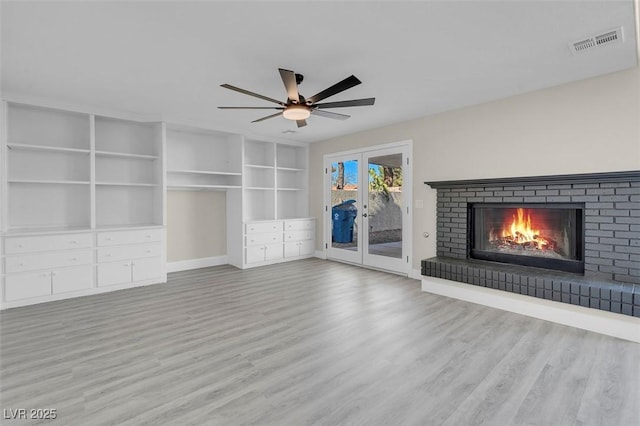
[(343, 216)]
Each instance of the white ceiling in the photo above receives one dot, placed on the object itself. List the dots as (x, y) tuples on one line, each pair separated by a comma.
[(168, 59)]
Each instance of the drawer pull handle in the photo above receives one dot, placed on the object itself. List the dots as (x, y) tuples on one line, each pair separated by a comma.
[(147, 251), (22, 264), (108, 255), (74, 242), (20, 245), (54, 273), (109, 239), (149, 236), (44, 275)]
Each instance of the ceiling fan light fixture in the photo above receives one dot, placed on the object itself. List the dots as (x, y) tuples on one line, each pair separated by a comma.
[(296, 112)]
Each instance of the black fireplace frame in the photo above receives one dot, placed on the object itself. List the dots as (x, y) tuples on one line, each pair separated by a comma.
[(566, 265)]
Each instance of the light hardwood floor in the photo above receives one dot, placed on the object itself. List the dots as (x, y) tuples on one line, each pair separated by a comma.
[(307, 342)]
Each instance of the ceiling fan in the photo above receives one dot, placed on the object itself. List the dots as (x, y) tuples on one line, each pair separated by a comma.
[(297, 108)]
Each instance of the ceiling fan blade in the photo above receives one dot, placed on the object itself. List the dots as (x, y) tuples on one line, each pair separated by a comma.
[(301, 123), (246, 92), (267, 117), (328, 114), (345, 84), (340, 104), (289, 80), (280, 108)]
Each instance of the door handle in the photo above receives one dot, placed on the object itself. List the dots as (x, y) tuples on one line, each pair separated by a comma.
[(364, 215)]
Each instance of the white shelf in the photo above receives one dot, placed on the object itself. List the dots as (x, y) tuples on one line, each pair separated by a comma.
[(49, 182), (258, 166), (126, 155), (260, 188), (204, 172), (192, 186), (126, 184), (290, 189), (44, 148), (290, 169)]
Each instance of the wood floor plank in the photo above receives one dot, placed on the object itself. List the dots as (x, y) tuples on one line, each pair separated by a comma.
[(307, 342)]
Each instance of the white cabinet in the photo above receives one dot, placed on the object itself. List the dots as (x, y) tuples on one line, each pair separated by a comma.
[(129, 257), (269, 242), (46, 265), (299, 238)]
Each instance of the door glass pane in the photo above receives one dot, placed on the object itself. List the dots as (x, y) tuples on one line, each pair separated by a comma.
[(344, 205), (385, 206)]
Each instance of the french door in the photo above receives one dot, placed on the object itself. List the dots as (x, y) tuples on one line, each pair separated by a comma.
[(367, 198)]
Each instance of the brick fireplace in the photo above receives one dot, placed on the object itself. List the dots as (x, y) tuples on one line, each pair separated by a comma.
[(597, 215)]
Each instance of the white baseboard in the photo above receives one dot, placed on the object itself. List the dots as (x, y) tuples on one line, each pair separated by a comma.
[(205, 262), (320, 254), (611, 324), (416, 274)]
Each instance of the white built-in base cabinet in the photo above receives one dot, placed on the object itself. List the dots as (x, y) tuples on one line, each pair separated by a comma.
[(273, 241), (45, 267)]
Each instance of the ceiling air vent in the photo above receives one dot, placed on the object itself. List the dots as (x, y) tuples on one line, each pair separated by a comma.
[(593, 42)]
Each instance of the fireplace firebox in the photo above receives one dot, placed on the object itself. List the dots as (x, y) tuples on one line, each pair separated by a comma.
[(546, 236)]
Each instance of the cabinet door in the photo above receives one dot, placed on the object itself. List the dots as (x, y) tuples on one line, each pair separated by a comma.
[(307, 247), (273, 251), (114, 273), (71, 279), (292, 249), (255, 254), (146, 269), (23, 286)]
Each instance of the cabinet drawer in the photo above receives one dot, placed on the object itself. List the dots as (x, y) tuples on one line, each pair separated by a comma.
[(146, 269), (253, 239), (259, 227), (24, 286), (297, 225), (17, 245), (71, 279), (116, 238), (31, 262), (297, 235), (112, 254), (114, 273)]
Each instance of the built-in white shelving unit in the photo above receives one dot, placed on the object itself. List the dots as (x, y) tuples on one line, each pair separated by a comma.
[(203, 160), (47, 169), (128, 173), (69, 180), (83, 199)]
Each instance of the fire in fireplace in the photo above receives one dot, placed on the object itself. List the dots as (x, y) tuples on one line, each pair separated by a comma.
[(547, 236)]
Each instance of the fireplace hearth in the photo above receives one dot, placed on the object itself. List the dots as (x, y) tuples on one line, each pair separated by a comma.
[(567, 238), (548, 235)]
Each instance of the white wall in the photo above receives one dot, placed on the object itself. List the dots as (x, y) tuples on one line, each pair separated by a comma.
[(582, 127), (196, 225)]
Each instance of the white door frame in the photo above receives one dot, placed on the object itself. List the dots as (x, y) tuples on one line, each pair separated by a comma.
[(361, 257)]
